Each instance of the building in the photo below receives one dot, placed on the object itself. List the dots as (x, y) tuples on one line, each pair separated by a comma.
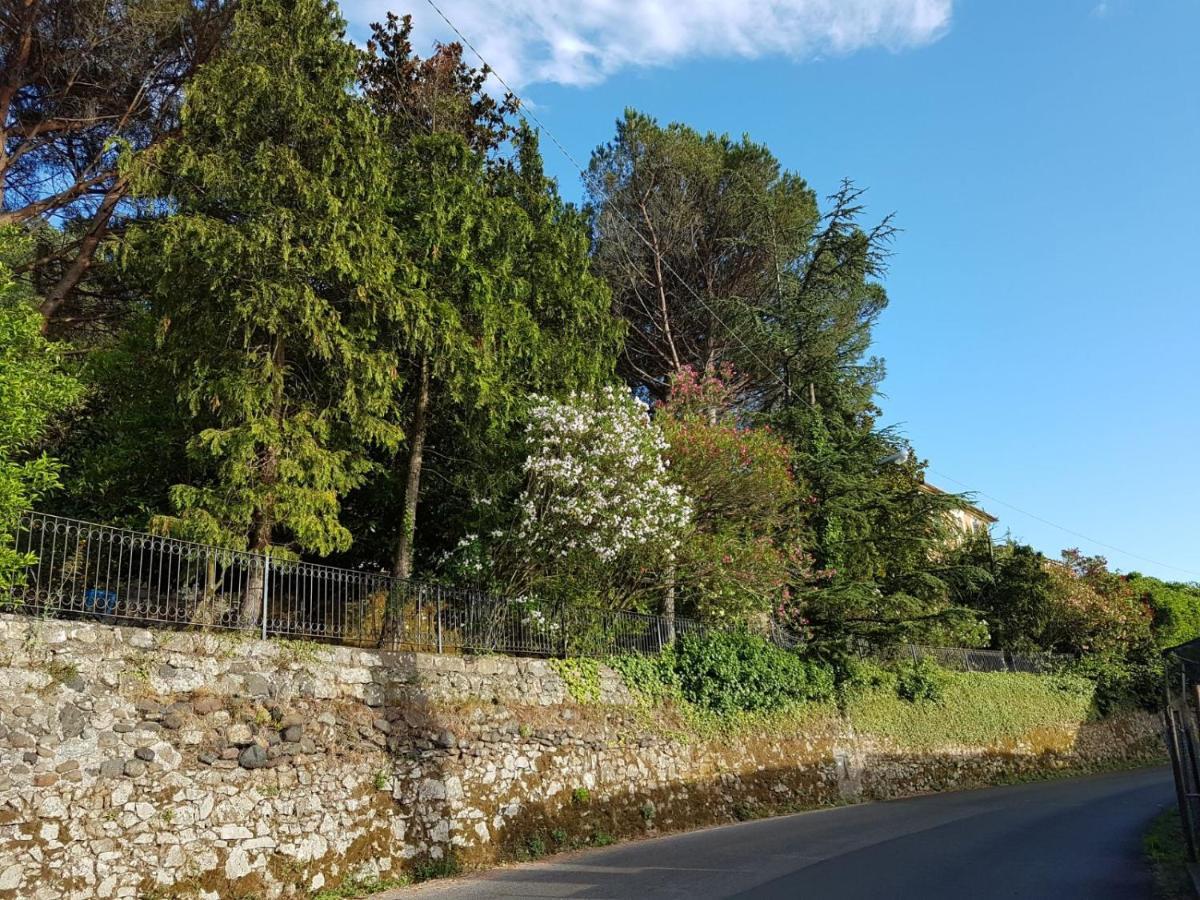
[(968, 520)]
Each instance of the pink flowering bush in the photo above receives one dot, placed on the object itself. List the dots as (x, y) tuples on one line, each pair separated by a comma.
[(736, 562)]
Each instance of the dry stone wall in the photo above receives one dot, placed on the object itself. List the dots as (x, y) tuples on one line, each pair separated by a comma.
[(149, 764)]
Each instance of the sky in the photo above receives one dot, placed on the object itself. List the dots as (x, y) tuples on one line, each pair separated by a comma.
[(1043, 162)]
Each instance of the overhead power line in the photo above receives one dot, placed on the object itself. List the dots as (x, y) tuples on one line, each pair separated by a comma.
[(1065, 529), (599, 188)]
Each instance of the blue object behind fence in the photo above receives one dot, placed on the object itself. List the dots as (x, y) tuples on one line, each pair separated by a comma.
[(100, 603)]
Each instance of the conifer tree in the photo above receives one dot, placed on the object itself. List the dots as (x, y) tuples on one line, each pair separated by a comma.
[(507, 305), (269, 274)]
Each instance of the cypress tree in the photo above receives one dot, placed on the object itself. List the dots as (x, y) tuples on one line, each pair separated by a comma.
[(269, 273)]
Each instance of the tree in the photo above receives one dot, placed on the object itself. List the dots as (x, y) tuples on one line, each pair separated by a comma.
[(439, 94), (877, 543), (34, 387), (1018, 604), (694, 234), (84, 83), (269, 277), (124, 446), (599, 518), (1175, 607), (717, 255), (505, 302), (1093, 610)]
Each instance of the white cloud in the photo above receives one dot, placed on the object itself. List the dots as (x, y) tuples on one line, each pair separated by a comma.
[(582, 42)]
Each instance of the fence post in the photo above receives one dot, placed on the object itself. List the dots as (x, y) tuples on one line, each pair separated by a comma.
[(439, 620), (266, 592)]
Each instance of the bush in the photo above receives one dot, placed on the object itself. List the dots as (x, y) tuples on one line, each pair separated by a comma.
[(34, 388), (653, 678), (1133, 682), (738, 671), (920, 679)]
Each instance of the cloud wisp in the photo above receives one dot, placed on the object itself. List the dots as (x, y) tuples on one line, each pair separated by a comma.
[(583, 42)]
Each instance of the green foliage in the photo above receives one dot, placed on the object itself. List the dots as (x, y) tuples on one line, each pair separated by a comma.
[(429, 869), (581, 676), (920, 680), (736, 561), (351, 888), (535, 847), (723, 217), (268, 278), (1019, 603), (1175, 608), (125, 446), (974, 708), (34, 388), (731, 671), (504, 303), (651, 677), (581, 796), (1133, 681), (1093, 610), (879, 565), (1165, 848)]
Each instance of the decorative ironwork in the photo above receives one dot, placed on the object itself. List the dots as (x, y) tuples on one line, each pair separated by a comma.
[(81, 570)]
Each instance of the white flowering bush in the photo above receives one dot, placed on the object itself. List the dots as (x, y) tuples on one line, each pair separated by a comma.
[(597, 496)]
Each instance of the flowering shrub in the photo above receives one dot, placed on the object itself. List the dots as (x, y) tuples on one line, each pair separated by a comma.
[(598, 509), (738, 559), (1093, 610), (736, 670)]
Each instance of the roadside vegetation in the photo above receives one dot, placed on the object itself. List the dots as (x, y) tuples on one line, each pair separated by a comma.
[(322, 299), (1166, 853)]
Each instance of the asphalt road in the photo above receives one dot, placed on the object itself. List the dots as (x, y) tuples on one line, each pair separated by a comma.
[(1075, 838)]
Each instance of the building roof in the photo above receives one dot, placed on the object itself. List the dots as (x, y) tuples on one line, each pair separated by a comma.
[(970, 507)]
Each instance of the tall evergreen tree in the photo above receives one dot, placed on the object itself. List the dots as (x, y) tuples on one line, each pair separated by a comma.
[(270, 275), (507, 304)]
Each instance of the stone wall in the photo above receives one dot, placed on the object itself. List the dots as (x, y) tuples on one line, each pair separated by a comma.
[(140, 764)]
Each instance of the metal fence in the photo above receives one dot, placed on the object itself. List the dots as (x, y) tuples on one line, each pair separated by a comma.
[(969, 659), (81, 570), (1182, 720)]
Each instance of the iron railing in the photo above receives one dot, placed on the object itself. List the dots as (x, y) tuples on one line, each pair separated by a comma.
[(970, 659), (81, 569), (1181, 716)]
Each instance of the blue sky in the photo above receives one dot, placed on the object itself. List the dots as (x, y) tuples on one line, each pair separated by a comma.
[(1043, 161)]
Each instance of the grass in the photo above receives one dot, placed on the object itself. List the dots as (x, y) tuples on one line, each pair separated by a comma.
[(360, 887), (1166, 852)]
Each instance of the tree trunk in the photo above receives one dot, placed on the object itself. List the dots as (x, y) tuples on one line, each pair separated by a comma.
[(402, 559), (256, 578), (667, 611)]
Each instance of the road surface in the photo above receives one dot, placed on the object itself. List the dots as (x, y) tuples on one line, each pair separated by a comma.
[(1075, 838)]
